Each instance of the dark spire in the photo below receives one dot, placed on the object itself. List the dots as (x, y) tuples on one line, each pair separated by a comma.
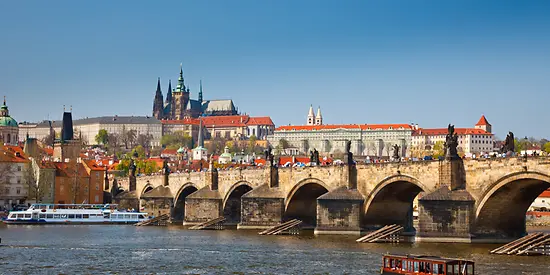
[(169, 94), (158, 107), (158, 86), (67, 127), (200, 92)]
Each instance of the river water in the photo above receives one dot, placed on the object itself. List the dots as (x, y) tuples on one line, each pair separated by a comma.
[(101, 249)]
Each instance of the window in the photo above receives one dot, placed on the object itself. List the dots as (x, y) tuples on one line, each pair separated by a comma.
[(61, 188), (85, 216), (96, 198), (18, 190), (18, 168), (49, 216), (78, 216), (71, 216), (7, 190), (97, 187), (42, 216)]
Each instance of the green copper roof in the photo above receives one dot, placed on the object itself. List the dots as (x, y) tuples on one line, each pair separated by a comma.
[(8, 121)]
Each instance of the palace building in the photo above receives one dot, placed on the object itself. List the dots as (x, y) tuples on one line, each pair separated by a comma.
[(366, 139), (179, 105)]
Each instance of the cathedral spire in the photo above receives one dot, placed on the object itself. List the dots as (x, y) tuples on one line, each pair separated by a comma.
[(200, 92), (169, 94), (158, 110), (181, 86), (158, 86)]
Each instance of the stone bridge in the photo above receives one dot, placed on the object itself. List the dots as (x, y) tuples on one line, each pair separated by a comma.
[(460, 200)]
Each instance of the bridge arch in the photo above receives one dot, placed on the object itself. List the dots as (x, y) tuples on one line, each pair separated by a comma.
[(301, 201), (391, 202), (500, 211), (232, 201), (148, 187), (178, 213)]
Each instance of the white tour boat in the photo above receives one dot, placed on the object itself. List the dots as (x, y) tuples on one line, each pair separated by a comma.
[(74, 214)]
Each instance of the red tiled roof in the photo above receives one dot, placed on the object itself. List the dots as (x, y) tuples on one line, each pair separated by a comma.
[(260, 121), (343, 126), (169, 152), (482, 121), (10, 153), (64, 169), (444, 131), (93, 165), (48, 151), (194, 121), (545, 194), (221, 121)]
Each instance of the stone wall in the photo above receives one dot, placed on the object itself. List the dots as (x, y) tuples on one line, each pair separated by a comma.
[(261, 212), (198, 210)]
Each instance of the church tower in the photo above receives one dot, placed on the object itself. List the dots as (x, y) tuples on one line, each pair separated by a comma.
[(158, 106), (180, 97), (319, 117), (310, 116)]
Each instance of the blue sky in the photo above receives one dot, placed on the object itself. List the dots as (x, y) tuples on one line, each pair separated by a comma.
[(427, 62)]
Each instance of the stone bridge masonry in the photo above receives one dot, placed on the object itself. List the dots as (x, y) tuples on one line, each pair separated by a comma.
[(459, 200)]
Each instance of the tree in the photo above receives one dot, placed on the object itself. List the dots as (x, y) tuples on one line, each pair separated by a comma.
[(283, 143), (131, 138), (31, 179), (49, 139), (144, 140), (113, 140), (176, 140), (438, 149), (6, 172), (140, 151), (251, 144), (102, 137), (546, 147)]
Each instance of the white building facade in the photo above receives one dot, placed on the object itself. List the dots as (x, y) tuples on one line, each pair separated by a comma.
[(478, 140)]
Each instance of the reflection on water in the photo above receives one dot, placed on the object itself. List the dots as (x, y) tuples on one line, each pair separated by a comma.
[(89, 249)]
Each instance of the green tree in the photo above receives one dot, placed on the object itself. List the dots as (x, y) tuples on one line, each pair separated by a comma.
[(177, 140), (102, 137), (546, 147), (283, 143), (251, 144), (140, 151), (438, 149)]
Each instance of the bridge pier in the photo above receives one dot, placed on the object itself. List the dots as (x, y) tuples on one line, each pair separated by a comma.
[(339, 212), (262, 208), (206, 203)]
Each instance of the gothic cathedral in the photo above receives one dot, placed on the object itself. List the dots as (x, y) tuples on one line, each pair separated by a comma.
[(178, 104)]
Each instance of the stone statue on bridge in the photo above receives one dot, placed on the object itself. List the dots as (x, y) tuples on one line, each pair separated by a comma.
[(316, 157), (165, 168), (509, 146), (267, 153), (311, 157), (132, 168), (451, 143), (349, 154), (396, 152)]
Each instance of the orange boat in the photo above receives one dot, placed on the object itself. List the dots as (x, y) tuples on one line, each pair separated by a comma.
[(425, 265)]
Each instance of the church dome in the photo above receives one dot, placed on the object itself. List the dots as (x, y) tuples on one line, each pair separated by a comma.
[(8, 121)]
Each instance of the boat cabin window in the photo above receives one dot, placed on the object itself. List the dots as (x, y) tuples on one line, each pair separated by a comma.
[(27, 216), (460, 269), (85, 216), (49, 216), (141, 217), (56, 216), (71, 216), (42, 216)]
